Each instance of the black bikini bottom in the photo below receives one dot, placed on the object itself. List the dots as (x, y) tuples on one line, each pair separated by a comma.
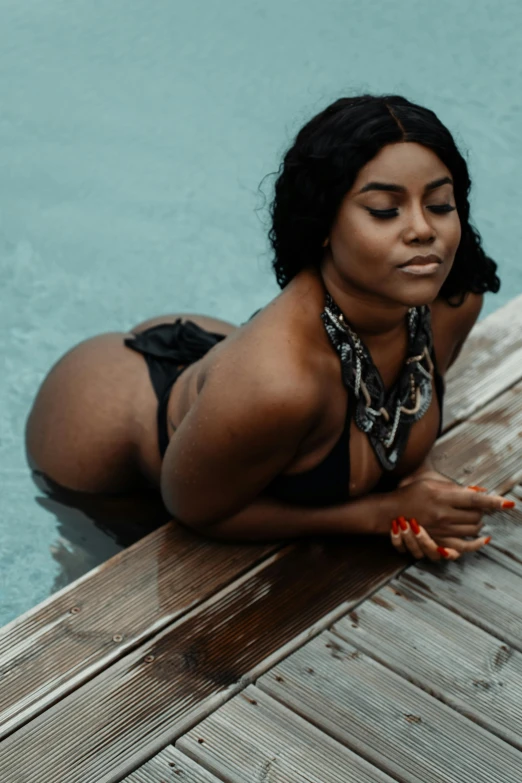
[(169, 349)]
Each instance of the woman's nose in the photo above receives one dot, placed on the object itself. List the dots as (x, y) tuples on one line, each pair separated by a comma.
[(419, 228)]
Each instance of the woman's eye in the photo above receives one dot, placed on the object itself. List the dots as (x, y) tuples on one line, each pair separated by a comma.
[(383, 213), (441, 209), (386, 214)]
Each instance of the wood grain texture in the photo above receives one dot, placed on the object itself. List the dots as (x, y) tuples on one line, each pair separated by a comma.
[(505, 528), (49, 651), (490, 362), (478, 589), (443, 654), (171, 766), (71, 638), (487, 448), (133, 709), (254, 738), (376, 713)]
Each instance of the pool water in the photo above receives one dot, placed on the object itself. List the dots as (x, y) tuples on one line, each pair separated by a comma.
[(133, 138)]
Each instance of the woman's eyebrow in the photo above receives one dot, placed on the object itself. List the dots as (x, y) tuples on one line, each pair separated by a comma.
[(391, 187)]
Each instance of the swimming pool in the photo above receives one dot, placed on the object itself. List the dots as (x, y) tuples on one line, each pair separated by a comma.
[(133, 139)]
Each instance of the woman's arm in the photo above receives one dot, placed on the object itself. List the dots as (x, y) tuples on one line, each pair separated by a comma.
[(443, 507), (266, 519), (247, 426), (244, 429)]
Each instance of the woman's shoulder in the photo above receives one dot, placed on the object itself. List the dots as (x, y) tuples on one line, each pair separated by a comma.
[(452, 324), (459, 316), (274, 358)]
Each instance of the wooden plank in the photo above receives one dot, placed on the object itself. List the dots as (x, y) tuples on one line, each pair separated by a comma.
[(118, 720), (254, 738), (478, 589), (49, 651), (442, 653), (387, 720), (171, 766), (506, 530), (486, 449), (490, 362)]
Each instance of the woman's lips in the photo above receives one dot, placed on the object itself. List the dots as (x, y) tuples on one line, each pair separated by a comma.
[(421, 265), (420, 269)]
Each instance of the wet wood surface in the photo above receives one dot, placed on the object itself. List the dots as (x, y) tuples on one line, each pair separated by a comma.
[(486, 448), (478, 589), (490, 363), (423, 679), (152, 695), (129, 658), (82, 630), (505, 529), (75, 634)]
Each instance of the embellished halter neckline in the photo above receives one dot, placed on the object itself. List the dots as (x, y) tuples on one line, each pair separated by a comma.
[(385, 417)]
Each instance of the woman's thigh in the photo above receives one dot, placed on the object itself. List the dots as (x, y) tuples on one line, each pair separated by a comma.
[(82, 429)]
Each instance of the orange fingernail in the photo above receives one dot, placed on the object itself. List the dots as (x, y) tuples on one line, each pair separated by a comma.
[(402, 522), (475, 488), (487, 540), (508, 504), (415, 526), (442, 551), (395, 528)]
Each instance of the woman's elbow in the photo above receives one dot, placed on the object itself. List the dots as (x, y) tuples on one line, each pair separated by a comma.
[(190, 514)]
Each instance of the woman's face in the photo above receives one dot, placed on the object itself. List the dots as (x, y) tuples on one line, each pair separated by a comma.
[(401, 206)]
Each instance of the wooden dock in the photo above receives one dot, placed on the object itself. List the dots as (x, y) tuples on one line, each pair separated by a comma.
[(322, 661)]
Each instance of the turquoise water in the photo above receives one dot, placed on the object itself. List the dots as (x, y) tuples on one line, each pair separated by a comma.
[(133, 137)]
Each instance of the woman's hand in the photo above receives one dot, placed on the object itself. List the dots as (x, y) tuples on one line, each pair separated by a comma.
[(409, 536), (445, 509), (425, 473)]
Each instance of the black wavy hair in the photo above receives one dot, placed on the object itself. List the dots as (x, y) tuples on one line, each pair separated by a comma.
[(323, 163)]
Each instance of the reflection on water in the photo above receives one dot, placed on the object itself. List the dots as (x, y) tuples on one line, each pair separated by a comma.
[(92, 528)]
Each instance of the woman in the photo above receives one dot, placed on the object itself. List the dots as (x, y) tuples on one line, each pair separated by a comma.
[(319, 414)]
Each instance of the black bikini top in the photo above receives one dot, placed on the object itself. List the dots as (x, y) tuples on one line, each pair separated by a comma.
[(169, 348), (327, 484)]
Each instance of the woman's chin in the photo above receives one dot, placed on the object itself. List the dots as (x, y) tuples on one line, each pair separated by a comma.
[(420, 292)]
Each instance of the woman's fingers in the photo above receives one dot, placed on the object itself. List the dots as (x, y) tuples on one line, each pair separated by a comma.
[(460, 516), (433, 550), (476, 498), (409, 536), (460, 531), (410, 540), (396, 537), (418, 542), (461, 545)]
